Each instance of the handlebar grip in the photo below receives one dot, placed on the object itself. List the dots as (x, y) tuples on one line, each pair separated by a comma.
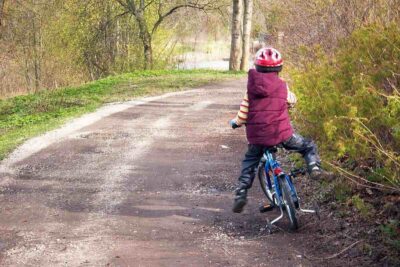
[(233, 124)]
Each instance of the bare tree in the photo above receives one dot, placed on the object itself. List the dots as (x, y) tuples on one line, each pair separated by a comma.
[(247, 18), (146, 30), (234, 62), (315, 22)]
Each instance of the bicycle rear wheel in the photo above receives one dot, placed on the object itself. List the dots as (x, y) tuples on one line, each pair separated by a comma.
[(262, 177), (288, 203)]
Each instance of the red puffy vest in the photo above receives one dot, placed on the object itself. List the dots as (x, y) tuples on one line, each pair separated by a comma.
[(268, 121)]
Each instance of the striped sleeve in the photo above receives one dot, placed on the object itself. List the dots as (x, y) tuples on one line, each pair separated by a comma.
[(241, 117)]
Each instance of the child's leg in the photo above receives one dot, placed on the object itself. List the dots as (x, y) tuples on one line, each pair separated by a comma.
[(249, 165), (307, 148)]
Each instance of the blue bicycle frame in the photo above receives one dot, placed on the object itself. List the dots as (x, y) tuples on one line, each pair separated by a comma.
[(272, 165)]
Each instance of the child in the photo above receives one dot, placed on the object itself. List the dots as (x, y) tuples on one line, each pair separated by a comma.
[(264, 110)]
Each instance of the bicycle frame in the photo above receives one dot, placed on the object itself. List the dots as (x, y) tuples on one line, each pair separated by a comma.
[(272, 166), (275, 168)]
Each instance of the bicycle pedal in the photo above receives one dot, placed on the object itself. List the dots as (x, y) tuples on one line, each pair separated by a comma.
[(266, 208)]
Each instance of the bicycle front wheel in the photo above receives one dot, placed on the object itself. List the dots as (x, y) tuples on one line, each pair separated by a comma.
[(288, 203)]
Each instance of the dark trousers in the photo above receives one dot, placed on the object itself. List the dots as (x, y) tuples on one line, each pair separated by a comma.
[(306, 147)]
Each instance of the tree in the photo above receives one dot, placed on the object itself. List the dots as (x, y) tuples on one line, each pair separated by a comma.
[(1, 11), (147, 27), (234, 62), (247, 18)]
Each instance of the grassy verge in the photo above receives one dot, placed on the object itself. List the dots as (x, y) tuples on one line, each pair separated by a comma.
[(26, 116)]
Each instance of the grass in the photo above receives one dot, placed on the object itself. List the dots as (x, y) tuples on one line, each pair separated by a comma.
[(365, 209), (23, 117)]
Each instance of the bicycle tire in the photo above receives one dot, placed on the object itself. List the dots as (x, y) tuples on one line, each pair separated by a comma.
[(288, 202), (296, 200), (264, 185)]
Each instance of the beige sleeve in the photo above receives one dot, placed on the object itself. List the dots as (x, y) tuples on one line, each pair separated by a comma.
[(241, 117)]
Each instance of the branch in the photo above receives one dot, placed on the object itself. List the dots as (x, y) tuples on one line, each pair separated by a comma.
[(146, 6), (205, 7), (366, 183), (103, 26), (122, 4), (162, 17), (128, 5), (132, 6), (120, 15), (334, 255)]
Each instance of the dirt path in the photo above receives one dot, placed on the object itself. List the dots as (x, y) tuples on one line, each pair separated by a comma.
[(148, 184)]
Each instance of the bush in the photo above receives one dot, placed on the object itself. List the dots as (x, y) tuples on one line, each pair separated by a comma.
[(350, 102)]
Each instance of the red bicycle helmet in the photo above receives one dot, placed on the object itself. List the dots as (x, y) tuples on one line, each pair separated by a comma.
[(268, 57)]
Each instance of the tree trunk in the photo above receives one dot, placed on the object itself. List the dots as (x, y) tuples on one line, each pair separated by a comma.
[(145, 36), (148, 52), (1, 11), (247, 17), (234, 62), (35, 46)]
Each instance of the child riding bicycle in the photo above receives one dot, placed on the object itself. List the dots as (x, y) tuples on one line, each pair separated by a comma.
[(264, 111)]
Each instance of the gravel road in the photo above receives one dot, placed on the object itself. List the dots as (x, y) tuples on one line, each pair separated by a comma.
[(142, 183)]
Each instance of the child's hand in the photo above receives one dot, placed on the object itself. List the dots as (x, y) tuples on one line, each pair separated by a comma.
[(290, 105), (233, 124)]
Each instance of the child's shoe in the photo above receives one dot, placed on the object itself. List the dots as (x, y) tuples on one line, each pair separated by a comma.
[(316, 173), (240, 200)]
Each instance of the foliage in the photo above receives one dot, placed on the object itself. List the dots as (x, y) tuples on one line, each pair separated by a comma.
[(350, 102), (53, 44), (316, 22), (25, 116)]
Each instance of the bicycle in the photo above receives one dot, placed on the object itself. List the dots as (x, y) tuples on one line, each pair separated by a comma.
[(279, 189)]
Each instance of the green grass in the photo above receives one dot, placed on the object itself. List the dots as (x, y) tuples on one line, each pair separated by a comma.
[(365, 209), (23, 117)]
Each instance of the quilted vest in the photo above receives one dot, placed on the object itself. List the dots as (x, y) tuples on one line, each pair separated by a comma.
[(268, 121)]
